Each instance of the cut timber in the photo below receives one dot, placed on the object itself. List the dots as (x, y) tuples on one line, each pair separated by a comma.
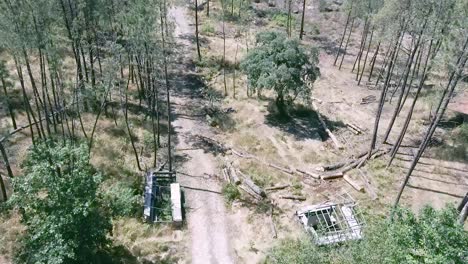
[(353, 130), (240, 154), (233, 176), (353, 164), (353, 183), (293, 197), (250, 192), (309, 173), (252, 186), (332, 175), (334, 166), (226, 175), (278, 187), (324, 125), (287, 170), (354, 127)]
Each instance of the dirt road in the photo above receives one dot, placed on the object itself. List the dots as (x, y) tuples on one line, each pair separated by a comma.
[(206, 220)]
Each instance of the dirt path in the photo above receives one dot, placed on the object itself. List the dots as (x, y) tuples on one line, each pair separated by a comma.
[(206, 217)]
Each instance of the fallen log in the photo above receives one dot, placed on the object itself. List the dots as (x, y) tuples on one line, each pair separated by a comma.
[(354, 127), (278, 187), (289, 171), (309, 173), (233, 176), (255, 188), (353, 184), (226, 175), (354, 164), (333, 166), (250, 192), (293, 197), (324, 125), (331, 175)]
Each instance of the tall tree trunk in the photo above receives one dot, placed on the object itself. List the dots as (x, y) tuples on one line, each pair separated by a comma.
[(196, 30), (397, 145), (7, 101), (168, 102), (365, 59), (3, 189), (347, 42), (302, 20), (342, 38), (445, 99), (5, 160), (373, 62), (402, 90)]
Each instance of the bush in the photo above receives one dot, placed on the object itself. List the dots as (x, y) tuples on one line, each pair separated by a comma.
[(207, 29), (230, 192), (121, 200)]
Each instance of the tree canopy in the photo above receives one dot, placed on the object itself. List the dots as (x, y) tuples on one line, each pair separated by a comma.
[(281, 64), (57, 199)]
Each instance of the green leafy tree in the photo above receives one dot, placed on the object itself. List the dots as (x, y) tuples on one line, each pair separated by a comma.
[(58, 201), (282, 65), (432, 237)]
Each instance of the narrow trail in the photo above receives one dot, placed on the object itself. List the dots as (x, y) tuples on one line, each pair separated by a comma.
[(205, 210)]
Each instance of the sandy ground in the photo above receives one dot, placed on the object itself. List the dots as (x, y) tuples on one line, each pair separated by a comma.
[(206, 218)]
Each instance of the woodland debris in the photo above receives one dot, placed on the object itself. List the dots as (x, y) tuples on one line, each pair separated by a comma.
[(287, 170), (250, 192), (368, 99), (354, 127), (226, 175), (277, 187), (293, 197), (250, 184), (309, 173), (324, 125), (233, 176), (358, 187), (331, 175)]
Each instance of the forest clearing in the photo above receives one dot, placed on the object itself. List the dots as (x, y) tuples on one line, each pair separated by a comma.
[(157, 131)]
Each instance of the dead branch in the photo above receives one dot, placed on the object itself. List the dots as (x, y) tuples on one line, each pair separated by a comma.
[(293, 197), (308, 173), (278, 187)]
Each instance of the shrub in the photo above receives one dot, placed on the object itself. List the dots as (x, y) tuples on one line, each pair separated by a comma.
[(230, 192), (121, 200)]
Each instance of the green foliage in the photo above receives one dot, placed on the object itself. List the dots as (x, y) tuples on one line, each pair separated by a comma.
[(121, 200), (207, 29), (432, 237), (58, 201), (281, 19), (230, 192), (281, 64)]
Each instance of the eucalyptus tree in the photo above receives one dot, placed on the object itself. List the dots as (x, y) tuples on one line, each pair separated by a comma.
[(281, 64)]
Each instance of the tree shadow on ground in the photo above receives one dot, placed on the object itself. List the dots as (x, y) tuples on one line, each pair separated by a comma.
[(301, 122)]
